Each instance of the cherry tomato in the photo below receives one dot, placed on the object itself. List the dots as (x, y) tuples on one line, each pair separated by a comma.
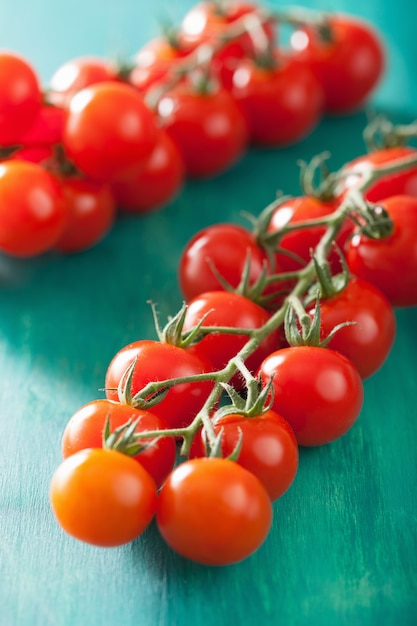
[(301, 242), (157, 183), (85, 430), (348, 60), (390, 263), (109, 131), (91, 213), (77, 74), (213, 511), (207, 22), (269, 448), (228, 309), (281, 104), (208, 128), (102, 497), (20, 97), (367, 343), (32, 214), (156, 361), (222, 248), (398, 183), (317, 390)]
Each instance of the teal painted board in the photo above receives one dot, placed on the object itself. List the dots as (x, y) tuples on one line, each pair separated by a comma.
[(343, 546)]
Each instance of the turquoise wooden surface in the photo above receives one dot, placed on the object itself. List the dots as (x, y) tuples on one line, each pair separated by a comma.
[(343, 547)]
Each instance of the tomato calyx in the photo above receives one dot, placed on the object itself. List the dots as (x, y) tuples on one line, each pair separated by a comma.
[(256, 400), (173, 332), (302, 329), (317, 180), (371, 219), (124, 440), (328, 284), (381, 133)]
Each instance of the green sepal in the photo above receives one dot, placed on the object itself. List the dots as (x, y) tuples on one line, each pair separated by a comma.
[(328, 284), (258, 399), (381, 133), (234, 455), (300, 329), (214, 449), (123, 438)]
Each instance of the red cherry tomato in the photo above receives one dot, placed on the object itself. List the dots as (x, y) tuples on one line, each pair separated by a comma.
[(157, 183), (20, 97), (269, 448), (86, 427), (208, 128), (390, 263), (155, 361), (91, 214), (348, 60), (213, 511), (317, 390), (281, 104), (77, 74), (228, 309), (222, 248), (396, 183), (367, 343), (102, 497), (109, 131), (33, 214), (301, 242)]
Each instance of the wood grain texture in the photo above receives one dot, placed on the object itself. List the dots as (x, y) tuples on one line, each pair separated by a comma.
[(343, 546)]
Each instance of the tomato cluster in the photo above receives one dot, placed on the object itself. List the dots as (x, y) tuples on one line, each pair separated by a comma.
[(202, 427), (103, 138)]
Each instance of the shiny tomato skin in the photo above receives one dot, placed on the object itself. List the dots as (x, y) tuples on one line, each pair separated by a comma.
[(390, 263), (301, 242), (368, 341), (348, 65), (86, 426), (229, 309), (32, 215), (213, 511), (20, 97), (76, 74), (102, 497), (281, 105), (397, 183), (317, 390), (157, 184), (156, 361), (91, 213), (109, 131), (208, 128), (269, 448), (225, 246)]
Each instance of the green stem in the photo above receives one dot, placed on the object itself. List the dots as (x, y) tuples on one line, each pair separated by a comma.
[(306, 276)]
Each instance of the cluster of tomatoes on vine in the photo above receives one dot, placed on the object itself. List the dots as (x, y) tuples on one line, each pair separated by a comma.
[(103, 138), (201, 428)]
